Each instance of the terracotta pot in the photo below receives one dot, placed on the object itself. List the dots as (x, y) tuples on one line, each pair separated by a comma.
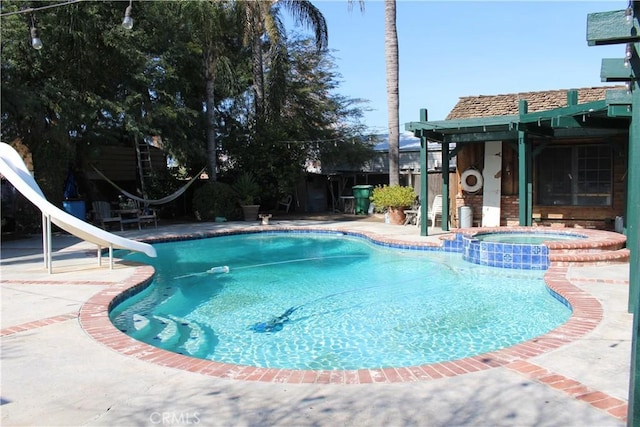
[(396, 216), (250, 212)]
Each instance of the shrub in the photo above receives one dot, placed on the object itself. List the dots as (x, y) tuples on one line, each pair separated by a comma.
[(247, 189), (215, 199), (395, 196)]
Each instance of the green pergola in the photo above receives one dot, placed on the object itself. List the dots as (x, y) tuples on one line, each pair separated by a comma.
[(617, 112), (608, 117)]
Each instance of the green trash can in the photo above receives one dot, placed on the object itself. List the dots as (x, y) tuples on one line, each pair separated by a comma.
[(361, 193)]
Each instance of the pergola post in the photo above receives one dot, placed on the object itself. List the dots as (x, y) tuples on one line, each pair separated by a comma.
[(623, 27), (524, 172), (633, 243), (424, 176), (445, 185), (424, 187)]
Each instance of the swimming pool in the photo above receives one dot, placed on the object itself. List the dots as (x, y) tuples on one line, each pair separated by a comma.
[(356, 304)]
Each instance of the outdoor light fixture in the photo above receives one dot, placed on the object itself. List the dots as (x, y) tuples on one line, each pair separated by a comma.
[(629, 85), (628, 53), (127, 22), (628, 14), (36, 43)]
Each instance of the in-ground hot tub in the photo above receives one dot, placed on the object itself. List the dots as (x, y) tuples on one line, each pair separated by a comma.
[(513, 248)]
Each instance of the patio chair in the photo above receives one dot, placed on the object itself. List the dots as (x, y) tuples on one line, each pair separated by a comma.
[(436, 209), (286, 202), (104, 215)]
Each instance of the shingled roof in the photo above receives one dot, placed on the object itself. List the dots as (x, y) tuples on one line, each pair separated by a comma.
[(504, 105)]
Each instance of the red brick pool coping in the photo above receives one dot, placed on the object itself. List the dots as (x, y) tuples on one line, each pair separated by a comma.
[(587, 314)]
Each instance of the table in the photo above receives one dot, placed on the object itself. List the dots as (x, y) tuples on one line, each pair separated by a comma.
[(411, 216), (129, 216), (348, 204)]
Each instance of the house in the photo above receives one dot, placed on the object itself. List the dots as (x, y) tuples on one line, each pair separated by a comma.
[(556, 158)]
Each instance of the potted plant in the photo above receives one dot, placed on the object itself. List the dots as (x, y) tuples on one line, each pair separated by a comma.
[(247, 190), (395, 199)]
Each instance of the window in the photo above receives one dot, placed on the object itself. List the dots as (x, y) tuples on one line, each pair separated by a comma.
[(574, 175)]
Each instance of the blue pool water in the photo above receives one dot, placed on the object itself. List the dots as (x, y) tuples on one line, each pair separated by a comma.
[(528, 238), (349, 304)]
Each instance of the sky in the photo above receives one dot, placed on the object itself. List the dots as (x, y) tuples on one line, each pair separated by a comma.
[(452, 49)]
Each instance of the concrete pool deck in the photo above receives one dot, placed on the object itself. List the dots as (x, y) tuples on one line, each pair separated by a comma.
[(54, 372)]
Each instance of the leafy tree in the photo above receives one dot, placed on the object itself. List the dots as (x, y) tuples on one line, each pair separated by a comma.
[(183, 73), (313, 124)]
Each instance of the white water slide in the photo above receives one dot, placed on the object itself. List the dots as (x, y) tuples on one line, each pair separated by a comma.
[(13, 168)]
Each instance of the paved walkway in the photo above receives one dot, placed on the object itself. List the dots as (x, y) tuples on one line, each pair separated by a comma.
[(55, 372)]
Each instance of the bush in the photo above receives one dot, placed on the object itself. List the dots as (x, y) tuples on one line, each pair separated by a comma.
[(215, 199), (395, 196), (246, 188)]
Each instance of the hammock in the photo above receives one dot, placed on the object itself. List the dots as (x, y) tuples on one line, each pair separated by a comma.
[(147, 202)]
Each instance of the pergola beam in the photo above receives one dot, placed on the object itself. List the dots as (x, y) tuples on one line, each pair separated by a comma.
[(605, 28)]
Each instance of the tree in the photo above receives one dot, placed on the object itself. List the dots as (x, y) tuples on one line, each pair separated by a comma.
[(313, 123), (392, 76), (393, 98), (215, 24), (263, 29)]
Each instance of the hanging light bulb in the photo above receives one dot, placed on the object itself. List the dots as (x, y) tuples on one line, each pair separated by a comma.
[(127, 22), (628, 54), (629, 85), (36, 43), (628, 15)]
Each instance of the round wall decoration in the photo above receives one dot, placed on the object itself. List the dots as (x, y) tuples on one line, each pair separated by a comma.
[(471, 188)]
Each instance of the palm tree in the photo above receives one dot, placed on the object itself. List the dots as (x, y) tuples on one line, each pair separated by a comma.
[(393, 97), (262, 22), (213, 23)]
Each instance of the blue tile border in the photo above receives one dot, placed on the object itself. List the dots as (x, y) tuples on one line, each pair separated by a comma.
[(505, 255)]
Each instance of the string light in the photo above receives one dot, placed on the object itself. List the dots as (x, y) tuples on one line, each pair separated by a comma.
[(127, 22), (628, 14), (36, 43), (35, 9), (34, 33), (628, 54)]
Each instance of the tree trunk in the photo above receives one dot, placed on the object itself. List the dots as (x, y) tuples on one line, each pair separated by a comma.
[(212, 152), (254, 21), (258, 75), (393, 98)]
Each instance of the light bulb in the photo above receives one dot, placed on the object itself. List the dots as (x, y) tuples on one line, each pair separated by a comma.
[(628, 15), (36, 43), (127, 22)]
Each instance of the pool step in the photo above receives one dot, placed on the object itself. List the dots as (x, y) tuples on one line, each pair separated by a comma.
[(600, 248), (169, 334), (193, 337), (140, 322), (576, 258), (172, 333)]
